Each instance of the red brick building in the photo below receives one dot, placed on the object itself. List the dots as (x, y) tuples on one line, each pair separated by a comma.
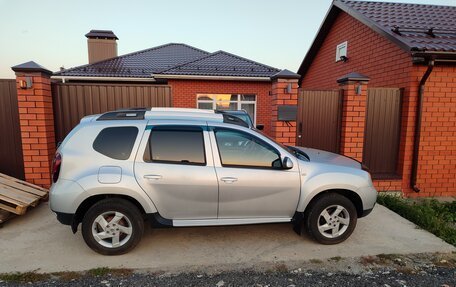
[(409, 47)]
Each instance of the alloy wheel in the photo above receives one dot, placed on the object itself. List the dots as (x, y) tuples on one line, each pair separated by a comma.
[(112, 229), (333, 221)]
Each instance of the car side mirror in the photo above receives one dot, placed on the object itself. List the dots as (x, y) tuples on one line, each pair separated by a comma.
[(287, 163), (260, 127)]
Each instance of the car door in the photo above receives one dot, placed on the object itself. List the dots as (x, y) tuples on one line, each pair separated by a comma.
[(252, 182), (175, 169)]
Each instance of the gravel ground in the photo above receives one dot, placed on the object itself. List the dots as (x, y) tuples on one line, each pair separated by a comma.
[(382, 270), (438, 277)]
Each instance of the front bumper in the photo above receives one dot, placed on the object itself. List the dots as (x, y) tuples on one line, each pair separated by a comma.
[(366, 212), (368, 196)]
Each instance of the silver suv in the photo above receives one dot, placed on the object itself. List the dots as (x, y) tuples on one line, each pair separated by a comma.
[(187, 167)]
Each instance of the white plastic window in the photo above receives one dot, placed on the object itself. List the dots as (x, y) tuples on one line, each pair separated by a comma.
[(245, 102), (341, 51)]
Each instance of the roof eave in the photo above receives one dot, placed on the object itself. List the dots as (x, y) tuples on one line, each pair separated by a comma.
[(106, 79), (214, 78), (438, 56)]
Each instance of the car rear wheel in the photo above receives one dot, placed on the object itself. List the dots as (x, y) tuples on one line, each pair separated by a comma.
[(112, 226), (331, 219)]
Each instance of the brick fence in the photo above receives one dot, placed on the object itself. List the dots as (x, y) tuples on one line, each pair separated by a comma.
[(436, 172), (36, 122)]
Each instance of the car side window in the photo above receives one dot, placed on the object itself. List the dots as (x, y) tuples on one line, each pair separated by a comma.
[(176, 145), (239, 149), (116, 142)]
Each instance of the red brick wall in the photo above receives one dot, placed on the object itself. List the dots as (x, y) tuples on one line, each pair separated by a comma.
[(368, 53), (353, 121), (437, 164), (184, 95), (389, 66), (283, 132), (37, 128)]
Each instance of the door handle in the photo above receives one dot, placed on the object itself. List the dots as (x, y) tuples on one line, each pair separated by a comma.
[(228, 179), (153, 176)]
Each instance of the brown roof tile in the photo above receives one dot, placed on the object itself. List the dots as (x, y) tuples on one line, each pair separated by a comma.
[(420, 27)]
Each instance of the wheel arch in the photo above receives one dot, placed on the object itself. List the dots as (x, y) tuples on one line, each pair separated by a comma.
[(91, 200), (351, 195)]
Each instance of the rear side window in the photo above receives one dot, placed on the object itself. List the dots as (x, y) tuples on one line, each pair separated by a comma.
[(176, 145), (116, 142)]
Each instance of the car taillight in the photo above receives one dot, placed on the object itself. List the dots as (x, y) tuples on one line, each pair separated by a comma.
[(56, 166)]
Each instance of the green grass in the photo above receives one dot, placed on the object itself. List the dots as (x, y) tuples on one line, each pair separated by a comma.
[(64, 276), (436, 217), (24, 277), (101, 271)]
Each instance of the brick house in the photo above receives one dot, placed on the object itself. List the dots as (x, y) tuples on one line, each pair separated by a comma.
[(198, 79), (171, 75), (363, 47)]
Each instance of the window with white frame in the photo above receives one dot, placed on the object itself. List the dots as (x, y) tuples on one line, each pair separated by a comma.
[(341, 51), (245, 102)]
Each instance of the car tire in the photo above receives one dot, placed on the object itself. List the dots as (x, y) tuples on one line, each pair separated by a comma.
[(330, 219), (112, 226)]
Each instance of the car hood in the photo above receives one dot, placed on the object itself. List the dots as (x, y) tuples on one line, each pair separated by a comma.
[(325, 157)]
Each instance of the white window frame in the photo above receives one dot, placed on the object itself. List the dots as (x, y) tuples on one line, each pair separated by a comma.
[(338, 50), (238, 102)]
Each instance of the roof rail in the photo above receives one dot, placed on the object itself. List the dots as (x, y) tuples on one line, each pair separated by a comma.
[(126, 114)]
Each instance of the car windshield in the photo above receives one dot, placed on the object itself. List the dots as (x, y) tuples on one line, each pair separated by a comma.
[(293, 150)]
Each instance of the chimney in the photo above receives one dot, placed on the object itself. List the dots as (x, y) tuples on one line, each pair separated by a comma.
[(102, 45)]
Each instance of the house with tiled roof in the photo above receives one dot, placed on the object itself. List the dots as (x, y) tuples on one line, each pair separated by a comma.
[(396, 65), (197, 78)]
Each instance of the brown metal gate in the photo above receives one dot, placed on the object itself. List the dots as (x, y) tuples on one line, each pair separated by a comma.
[(73, 101), (319, 119), (382, 131), (11, 160)]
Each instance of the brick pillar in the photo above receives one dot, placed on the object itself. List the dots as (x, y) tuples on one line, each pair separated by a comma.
[(36, 121), (353, 114), (284, 92)]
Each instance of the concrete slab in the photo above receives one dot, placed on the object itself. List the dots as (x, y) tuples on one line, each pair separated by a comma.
[(37, 241)]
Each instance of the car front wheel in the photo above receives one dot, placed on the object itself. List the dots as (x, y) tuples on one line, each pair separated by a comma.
[(112, 226), (331, 219)]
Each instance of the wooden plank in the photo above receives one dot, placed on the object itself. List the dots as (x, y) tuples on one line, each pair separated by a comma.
[(12, 201), (16, 195), (17, 208), (22, 187), (23, 182), (24, 197)]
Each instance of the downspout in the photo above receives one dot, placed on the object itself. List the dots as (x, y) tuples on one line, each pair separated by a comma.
[(419, 112)]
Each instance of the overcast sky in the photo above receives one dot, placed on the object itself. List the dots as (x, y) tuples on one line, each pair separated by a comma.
[(51, 32)]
